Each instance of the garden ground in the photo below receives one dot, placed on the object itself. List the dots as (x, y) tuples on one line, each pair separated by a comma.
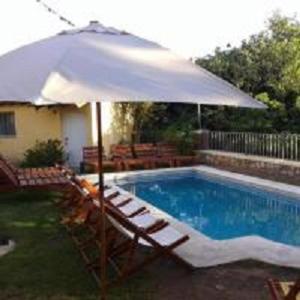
[(45, 264)]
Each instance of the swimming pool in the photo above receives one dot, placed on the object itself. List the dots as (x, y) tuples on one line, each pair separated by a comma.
[(218, 208)]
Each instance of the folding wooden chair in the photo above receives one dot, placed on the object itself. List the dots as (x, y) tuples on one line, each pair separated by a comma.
[(124, 235), (89, 216), (9, 174), (284, 290), (124, 202), (84, 225), (123, 245)]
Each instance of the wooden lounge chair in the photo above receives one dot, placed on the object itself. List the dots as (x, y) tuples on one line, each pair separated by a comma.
[(127, 238), (124, 235), (9, 178), (50, 177), (154, 233), (284, 290), (84, 191), (86, 215), (73, 201), (84, 226), (124, 202)]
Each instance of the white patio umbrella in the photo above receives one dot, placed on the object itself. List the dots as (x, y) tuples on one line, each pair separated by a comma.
[(98, 63)]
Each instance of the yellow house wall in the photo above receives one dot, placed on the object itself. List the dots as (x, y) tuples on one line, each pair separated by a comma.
[(43, 123), (32, 124)]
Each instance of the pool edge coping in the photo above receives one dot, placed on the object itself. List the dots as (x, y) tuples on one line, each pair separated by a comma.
[(270, 185)]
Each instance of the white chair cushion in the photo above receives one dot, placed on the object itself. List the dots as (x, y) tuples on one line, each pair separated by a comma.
[(109, 192), (119, 199), (143, 221), (130, 208), (165, 237)]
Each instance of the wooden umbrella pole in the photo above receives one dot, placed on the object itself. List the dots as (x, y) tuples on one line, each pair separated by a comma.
[(199, 116), (103, 295)]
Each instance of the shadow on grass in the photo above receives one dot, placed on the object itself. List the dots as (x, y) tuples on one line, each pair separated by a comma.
[(45, 263)]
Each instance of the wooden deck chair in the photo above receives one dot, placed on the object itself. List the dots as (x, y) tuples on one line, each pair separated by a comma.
[(33, 177), (90, 217), (124, 202), (122, 255), (90, 220), (91, 236), (284, 290), (9, 174), (70, 196)]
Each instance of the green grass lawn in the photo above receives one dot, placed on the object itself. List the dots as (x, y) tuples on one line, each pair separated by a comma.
[(45, 264)]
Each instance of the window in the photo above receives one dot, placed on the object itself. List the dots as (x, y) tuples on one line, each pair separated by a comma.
[(7, 124)]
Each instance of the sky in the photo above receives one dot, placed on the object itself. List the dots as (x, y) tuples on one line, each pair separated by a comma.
[(191, 28)]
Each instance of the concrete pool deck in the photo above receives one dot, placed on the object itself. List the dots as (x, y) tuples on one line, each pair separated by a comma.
[(202, 251)]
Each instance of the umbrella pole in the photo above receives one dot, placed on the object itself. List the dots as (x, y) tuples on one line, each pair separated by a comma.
[(199, 116), (102, 206)]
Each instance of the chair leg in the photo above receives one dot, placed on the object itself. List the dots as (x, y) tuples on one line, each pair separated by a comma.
[(295, 289)]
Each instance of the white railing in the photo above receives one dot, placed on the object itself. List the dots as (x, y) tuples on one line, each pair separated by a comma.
[(284, 146)]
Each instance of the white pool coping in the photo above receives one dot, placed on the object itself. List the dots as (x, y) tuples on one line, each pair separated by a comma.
[(202, 251)]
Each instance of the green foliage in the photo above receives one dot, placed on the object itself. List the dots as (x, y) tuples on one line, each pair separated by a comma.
[(44, 154), (267, 66), (180, 133), (132, 120)]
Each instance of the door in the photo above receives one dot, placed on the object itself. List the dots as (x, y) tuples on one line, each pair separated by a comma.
[(74, 134)]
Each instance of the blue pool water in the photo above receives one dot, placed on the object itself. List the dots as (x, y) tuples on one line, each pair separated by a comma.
[(219, 208)]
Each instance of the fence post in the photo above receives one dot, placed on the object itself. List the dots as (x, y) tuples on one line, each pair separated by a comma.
[(202, 139)]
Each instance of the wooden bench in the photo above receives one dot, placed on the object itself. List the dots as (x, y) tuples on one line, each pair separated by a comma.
[(124, 153), (168, 152), (141, 156), (90, 160), (150, 156)]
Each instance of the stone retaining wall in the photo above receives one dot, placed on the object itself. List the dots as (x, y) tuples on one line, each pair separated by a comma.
[(269, 168)]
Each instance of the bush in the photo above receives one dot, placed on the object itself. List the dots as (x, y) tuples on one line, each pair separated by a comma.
[(181, 135), (44, 154)]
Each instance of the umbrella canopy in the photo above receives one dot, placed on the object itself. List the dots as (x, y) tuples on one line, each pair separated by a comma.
[(98, 63)]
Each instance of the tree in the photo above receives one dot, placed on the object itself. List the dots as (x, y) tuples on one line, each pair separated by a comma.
[(131, 120), (267, 66)]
